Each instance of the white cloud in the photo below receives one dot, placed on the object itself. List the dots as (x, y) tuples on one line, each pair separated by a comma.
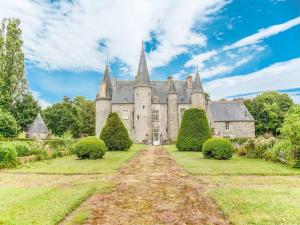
[(199, 59), (279, 76), (42, 102), (66, 34)]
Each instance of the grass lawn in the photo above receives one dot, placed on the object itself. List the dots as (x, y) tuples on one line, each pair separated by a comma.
[(45, 192), (248, 191), (111, 161)]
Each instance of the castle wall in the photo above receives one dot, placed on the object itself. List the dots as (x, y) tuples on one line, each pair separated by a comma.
[(172, 116), (181, 108), (198, 100), (142, 115), (126, 113), (162, 122), (103, 108), (236, 129)]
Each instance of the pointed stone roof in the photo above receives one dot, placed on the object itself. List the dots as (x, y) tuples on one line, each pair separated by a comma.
[(38, 126), (197, 85), (142, 77), (172, 88), (106, 79)]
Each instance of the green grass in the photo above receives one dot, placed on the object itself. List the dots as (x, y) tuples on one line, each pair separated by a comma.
[(111, 161), (248, 191), (45, 192), (195, 163)]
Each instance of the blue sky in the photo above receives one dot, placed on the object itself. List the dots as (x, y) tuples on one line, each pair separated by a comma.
[(241, 47)]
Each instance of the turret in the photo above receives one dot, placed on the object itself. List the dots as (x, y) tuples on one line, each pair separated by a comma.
[(142, 102), (198, 95), (172, 110), (103, 101)]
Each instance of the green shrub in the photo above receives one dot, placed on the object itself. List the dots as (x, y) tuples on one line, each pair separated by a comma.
[(281, 151), (8, 156), (114, 133), (258, 148), (41, 154), (194, 130), (8, 125), (57, 154), (22, 148), (218, 148), (90, 148)]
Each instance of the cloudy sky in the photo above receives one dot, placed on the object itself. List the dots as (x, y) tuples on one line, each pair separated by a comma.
[(241, 47)]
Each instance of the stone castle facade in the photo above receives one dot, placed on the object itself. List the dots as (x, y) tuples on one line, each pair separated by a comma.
[(152, 110)]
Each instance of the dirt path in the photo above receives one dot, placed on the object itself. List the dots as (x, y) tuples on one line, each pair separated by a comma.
[(153, 189)]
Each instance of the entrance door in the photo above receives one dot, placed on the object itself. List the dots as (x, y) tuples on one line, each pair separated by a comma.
[(156, 139)]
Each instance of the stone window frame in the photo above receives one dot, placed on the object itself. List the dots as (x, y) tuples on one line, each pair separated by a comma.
[(227, 126), (125, 114), (155, 115)]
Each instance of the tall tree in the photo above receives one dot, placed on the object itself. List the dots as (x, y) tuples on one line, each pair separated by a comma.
[(269, 110)]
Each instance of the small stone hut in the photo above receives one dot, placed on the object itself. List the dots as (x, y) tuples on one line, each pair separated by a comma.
[(38, 129)]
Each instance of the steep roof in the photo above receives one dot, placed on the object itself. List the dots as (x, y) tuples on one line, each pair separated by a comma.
[(197, 86), (142, 77), (226, 111), (38, 126), (123, 91), (172, 88)]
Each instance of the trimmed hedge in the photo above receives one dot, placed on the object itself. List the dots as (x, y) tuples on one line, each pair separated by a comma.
[(8, 125), (194, 130), (90, 148), (22, 149), (114, 133), (218, 148), (8, 156)]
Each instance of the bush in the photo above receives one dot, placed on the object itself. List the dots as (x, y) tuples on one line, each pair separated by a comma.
[(258, 148), (8, 156), (90, 148), (114, 133), (218, 148), (194, 130), (281, 151), (22, 149), (8, 125)]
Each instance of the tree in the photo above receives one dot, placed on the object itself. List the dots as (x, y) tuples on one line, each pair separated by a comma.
[(86, 111), (25, 110), (194, 130), (269, 110), (291, 131), (8, 125), (62, 117), (114, 133)]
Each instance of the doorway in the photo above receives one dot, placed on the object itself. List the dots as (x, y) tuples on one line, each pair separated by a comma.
[(156, 137)]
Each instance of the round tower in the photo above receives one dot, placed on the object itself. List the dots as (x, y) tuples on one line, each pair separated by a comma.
[(142, 103), (172, 110), (198, 95), (103, 102)]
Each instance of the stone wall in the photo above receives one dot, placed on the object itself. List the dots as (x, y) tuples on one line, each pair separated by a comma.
[(198, 100), (172, 117), (126, 113), (162, 122), (236, 129), (103, 108)]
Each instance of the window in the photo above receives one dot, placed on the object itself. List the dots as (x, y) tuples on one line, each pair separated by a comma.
[(182, 111), (155, 134), (125, 114), (143, 107), (227, 125), (155, 115), (138, 117)]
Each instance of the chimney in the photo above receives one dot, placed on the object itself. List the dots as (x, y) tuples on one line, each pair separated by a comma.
[(189, 81)]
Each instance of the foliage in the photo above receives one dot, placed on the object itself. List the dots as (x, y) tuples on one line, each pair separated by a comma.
[(8, 125), (114, 133), (256, 148), (280, 152), (290, 131), (90, 148), (22, 148), (269, 110), (194, 130), (218, 148), (77, 117), (8, 156)]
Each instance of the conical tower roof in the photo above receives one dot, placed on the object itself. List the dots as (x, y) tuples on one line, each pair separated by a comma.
[(38, 126), (106, 79), (197, 85), (172, 88), (142, 77)]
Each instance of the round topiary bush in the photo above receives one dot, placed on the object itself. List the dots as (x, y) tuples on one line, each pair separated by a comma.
[(114, 133), (90, 148), (8, 125), (194, 130), (8, 156), (218, 148)]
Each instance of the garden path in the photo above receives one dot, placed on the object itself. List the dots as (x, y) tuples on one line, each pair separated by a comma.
[(153, 189)]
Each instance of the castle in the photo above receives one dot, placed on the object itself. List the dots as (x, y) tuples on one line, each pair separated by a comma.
[(152, 110)]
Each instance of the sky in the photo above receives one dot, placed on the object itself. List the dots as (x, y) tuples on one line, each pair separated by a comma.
[(241, 47)]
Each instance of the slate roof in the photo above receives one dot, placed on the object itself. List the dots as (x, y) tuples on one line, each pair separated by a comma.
[(123, 91), (172, 88), (197, 86), (223, 111), (38, 126), (142, 76)]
